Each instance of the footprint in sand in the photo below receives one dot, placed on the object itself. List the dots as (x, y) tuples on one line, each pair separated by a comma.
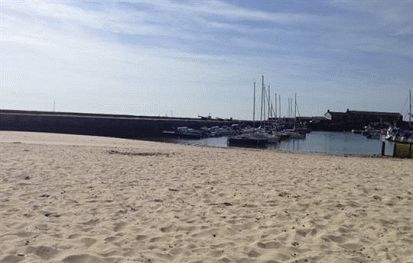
[(88, 242), (216, 253), (269, 245), (352, 246), (253, 253), (119, 226), (336, 239), (303, 231), (11, 259), (73, 236), (43, 252), (110, 239), (83, 258), (141, 237), (166, 229), (224, 260), (155, 239)]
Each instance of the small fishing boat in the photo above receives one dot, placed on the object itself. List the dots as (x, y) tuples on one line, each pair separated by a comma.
[(265, 134), (372, 133), (185, 133), (291, 134)]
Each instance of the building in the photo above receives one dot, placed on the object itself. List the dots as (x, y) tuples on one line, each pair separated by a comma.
[(358, 119)]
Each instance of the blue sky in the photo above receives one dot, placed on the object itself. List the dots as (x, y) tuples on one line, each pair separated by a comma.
[(184, 58)]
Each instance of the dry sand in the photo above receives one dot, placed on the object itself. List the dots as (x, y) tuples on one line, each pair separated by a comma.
[(89, 199)]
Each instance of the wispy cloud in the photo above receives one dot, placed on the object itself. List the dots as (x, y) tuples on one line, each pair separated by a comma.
[(227, 11), (154, 56)]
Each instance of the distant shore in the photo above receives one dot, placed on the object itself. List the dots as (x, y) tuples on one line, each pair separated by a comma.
[(69, 198)]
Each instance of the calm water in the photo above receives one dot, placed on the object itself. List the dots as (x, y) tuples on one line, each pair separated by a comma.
[(321, 142)]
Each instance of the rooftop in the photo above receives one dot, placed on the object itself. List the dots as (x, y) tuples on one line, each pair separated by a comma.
[(394, 114)]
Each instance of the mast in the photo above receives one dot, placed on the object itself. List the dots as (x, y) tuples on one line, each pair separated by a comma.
[(279, 105), (275, 105), (295, 109), (289, 108), (253, 108), (262, 96), (265, 103), (269, 102), (295, 105), (410, 108)]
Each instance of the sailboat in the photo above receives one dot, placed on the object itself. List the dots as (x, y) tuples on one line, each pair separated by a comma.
[(247, 140), (295, 132), (256, 137)]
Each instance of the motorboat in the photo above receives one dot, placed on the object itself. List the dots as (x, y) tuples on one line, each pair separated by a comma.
[(185, 133)]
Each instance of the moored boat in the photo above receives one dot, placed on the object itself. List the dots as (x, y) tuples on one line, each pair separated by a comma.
[(247, 141), (185, 133)]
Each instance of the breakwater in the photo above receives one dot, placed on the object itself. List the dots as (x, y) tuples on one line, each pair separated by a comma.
[(121, 126), (131, 126)]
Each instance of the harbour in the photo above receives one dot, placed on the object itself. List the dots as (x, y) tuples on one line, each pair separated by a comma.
[(356, 132), (324, 142)]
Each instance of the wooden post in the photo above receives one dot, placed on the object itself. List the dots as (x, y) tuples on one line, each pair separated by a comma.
[(394, 149), (383, 148)]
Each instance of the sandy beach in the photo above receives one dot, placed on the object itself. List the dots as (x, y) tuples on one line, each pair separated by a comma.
[(67, 198)]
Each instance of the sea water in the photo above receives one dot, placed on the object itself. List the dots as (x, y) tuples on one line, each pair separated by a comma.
[(318, 142)]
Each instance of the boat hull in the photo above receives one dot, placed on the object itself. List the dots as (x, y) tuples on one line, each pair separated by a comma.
[(248, 142), (177, 135)]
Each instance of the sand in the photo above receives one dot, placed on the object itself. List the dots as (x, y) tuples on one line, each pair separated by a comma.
[(66, 198)]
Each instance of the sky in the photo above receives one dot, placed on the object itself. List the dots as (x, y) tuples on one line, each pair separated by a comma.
[(190, 58)]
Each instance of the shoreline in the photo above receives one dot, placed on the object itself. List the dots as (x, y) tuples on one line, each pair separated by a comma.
[(163, 140), (185, 144)]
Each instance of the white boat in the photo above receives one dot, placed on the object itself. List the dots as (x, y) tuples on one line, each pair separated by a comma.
[(272, 139), (293, 134)]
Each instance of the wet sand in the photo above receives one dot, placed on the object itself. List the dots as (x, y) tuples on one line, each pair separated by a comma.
[(66, 198)]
